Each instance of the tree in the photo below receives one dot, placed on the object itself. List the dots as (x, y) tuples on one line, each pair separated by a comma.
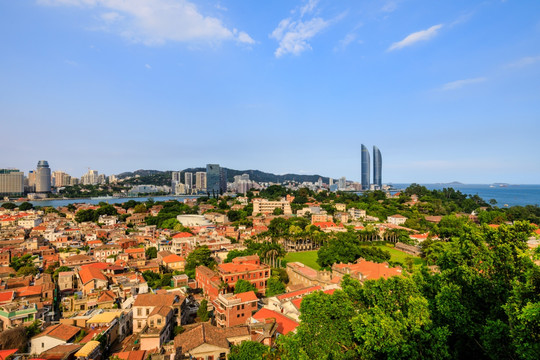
[(275, 287), (25, 206), (248, 350), (202, 312), (9, 206), (277, 211), (86, 215), (139, 209), (242, 286), (200, 256), (151, 253)]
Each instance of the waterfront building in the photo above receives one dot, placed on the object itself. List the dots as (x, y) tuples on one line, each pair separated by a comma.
[(11, 182), (43, 177), (175, 176), (365, 168), (377, 168), (200, 180)]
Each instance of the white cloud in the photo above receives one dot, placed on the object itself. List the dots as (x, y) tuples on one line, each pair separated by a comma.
[(308, 7), (390, 6), (147, 66), (413, 38), (525, 61), (346, 41), (454, 85), (293, 35), (155, 22)]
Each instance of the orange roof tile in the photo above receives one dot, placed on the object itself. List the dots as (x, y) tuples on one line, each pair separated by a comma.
[(285, 324)]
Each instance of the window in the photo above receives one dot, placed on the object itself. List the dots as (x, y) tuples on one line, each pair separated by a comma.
[(139, 312), (159, 321), (42, 345), (147, 311), (242, 306)]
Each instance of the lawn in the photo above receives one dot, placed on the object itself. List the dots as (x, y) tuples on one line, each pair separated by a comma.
[(400, 256), (309, 258)]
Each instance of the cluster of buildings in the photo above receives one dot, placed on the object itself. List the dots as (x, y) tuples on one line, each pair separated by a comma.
[(41, 181)]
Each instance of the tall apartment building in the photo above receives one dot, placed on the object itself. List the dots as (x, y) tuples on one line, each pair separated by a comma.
[(11, 182), (175, 176), (342, 183), (90, 178), (60, 179), (188, 180), (43, 177), (200, 181)]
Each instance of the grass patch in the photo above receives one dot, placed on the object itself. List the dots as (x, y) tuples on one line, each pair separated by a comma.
[(308, 258)]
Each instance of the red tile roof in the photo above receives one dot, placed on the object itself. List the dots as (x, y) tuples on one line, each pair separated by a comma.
[(300, 292), (172, 259), (98, 265), (7, 296), (285, 324), (88, 274), (5, 353), (60, 331), (182, 235), (246, 296)]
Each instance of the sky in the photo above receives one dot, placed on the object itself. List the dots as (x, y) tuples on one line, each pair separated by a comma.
[(448, 90)]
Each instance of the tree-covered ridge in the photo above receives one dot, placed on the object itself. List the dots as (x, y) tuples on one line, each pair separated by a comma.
[(482, 301)]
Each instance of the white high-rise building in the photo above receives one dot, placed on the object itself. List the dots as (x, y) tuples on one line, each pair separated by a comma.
[(43, 177), (90, 178), (60, 179), (342, 183)]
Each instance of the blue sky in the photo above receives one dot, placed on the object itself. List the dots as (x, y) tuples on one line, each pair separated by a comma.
[(448, 90)]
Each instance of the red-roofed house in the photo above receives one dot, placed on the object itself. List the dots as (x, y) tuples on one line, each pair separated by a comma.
[(92, 279), (365, 270), (52, 336), (285, 324), (4, 354), (234, 309), (174, 262)]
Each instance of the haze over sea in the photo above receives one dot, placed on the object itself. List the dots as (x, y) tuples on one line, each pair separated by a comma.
[(510, 195)]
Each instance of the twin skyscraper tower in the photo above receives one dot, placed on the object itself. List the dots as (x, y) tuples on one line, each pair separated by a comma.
[(377, 168)]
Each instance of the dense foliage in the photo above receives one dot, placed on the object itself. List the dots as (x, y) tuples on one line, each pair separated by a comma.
[(483, 303), (345, 248)]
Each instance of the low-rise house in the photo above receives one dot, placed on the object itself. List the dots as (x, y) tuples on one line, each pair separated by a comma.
[(145, 304), (234, 309), (159, 328), (17, 313), (91, 279), (174, 262), (67, 281), (365, 270), (396, 219), (52, 336), (284, 323), (204, 341)]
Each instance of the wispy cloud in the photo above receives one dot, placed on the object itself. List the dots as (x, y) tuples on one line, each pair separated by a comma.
[(293, 34), (147, 66), (390, 6), (454, 85), (415, 37), (524, 61), (155, 22)]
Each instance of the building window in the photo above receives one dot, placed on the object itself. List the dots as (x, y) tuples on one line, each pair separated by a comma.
[(139, 312), (147, 311)]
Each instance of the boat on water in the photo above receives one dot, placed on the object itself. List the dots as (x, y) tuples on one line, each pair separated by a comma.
[(102, 197), (491, 186)]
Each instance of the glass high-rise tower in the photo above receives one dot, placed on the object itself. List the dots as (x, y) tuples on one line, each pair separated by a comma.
[(377, 167), (365, 168)]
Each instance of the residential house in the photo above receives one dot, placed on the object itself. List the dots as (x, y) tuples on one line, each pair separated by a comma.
[(234, 309), (52, 336)]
